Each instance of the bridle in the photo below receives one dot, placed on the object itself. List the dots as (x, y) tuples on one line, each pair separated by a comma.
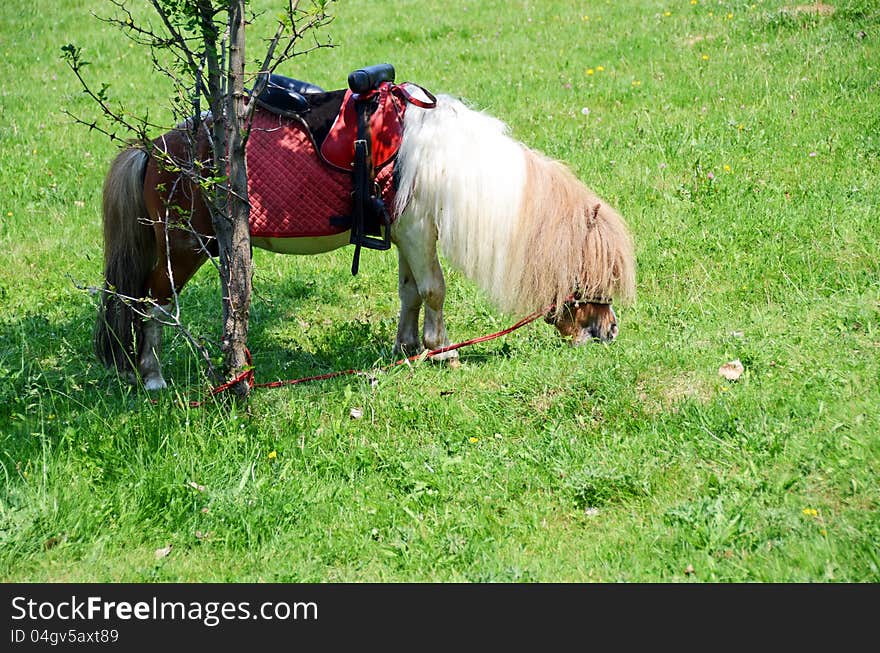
[(573, 302), (577, 299), (577, 302)]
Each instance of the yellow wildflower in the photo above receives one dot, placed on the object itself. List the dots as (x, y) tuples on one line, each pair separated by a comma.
[(810, 512), (273, 454)]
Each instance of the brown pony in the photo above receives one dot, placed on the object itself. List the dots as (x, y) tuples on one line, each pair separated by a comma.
[(522, 226)]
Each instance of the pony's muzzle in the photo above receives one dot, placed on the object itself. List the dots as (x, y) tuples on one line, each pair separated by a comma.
[(581, 322), (602, 333)]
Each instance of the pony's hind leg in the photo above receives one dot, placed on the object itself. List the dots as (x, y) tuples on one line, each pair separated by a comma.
[(417, 247), (407, 342), (164, 284), (148, 365)]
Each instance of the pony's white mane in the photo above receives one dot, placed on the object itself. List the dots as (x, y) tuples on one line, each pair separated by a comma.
[(519, 224)]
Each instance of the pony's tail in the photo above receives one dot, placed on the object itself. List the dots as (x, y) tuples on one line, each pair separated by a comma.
[(129, 257)]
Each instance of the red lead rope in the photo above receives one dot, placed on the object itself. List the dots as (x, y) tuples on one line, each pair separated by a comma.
[(248, 374)]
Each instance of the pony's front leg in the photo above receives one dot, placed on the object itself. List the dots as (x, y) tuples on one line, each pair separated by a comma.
[(149, 366), (417, 246), (407, 341), (434, 329)]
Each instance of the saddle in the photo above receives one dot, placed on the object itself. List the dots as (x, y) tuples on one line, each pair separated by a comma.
[(286, 96), (356, 130)]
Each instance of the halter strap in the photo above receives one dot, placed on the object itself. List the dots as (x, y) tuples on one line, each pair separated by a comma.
[(605, 301), (577, 300)]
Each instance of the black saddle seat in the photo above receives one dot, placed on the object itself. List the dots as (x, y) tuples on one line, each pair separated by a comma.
[(285, 95)]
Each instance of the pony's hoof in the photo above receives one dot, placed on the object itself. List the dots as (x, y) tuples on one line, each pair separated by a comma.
[(153, 384), (407, 350), (448, 357)]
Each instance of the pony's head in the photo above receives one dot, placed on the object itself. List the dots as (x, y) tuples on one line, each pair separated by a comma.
[(576, 252), (584, 321)]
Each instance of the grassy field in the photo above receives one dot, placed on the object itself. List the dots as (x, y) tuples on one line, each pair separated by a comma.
[(740, 140)]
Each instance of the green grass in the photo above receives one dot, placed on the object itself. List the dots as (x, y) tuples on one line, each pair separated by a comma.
[(533, 461)]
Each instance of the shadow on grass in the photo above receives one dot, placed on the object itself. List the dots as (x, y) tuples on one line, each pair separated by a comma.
[(301, 326)]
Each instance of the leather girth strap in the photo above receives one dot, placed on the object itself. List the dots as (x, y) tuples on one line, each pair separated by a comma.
[(367, 206)]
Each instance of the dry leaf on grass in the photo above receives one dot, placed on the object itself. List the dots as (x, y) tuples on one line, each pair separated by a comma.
[(356, 413), (196, 486), (163, 552), (732, 370)]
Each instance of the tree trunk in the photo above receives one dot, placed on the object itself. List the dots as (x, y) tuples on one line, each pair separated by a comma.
[(235, 248), (229, 204)]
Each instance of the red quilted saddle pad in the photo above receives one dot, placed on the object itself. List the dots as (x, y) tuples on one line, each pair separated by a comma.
[(293, 193)]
